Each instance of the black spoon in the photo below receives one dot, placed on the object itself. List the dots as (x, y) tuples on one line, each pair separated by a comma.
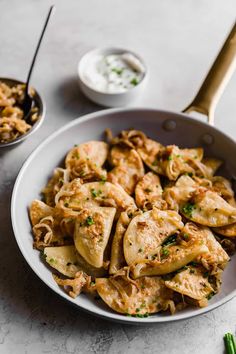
[(27, 103)]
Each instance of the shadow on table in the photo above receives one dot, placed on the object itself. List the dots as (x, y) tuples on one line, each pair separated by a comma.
[(72, 100)]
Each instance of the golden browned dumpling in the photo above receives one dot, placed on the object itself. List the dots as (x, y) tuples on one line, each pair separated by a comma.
[(209, 209), (212, 165), (117, 153), (179, 193), (192, 282), (92, 232), (223, 187), (59, 178), (117, 250), (68, 262), (149, 151), (46, 226), (86, 160), (63, 258), (147, 231), (228, 230), (172, 161), (170, 258), (141, 297), (76, 196), (216, 255), (127, 172), (148, 192), (39, 210)]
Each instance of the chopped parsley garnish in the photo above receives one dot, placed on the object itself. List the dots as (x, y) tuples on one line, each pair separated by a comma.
[(82, 173), (103, 179), (118, 71), (95, 193), (89, 221), (128, 314), (185, 236), (171, 239), (134, 81), (139, 315), (209, 296), (164, 253), (188, 208)]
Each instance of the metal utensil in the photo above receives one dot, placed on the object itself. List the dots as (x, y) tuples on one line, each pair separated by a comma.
[(28, 100)]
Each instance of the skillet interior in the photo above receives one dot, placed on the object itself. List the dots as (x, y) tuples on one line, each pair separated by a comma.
[(39, 166)]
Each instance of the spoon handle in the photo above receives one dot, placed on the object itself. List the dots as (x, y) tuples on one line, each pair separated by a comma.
[(52, 8)]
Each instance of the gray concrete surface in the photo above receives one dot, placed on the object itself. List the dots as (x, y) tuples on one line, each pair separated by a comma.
[(179, 40)]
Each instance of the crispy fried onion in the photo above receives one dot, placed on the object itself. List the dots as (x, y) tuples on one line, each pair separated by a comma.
[(81, 282)]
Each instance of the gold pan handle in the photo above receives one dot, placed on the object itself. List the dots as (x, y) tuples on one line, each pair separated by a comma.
[(216, 80)]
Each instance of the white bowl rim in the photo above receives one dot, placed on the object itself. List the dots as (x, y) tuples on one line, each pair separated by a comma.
[(110, 50), (109, 315)]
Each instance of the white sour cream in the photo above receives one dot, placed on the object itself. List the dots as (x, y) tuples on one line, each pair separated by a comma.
[(113, 73)]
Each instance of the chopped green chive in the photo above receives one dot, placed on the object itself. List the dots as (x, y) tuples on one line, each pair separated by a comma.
[(230, 344), (188, 208), (118, 71), (103, 179), (134, 81), (185, 236), (171, 239), (95, 193), (193, 264), (139, 315), (89, 221), (210, 295), (164, 253), (82, 173)]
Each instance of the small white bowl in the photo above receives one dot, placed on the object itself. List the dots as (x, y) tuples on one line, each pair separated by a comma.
[(109, 99)]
